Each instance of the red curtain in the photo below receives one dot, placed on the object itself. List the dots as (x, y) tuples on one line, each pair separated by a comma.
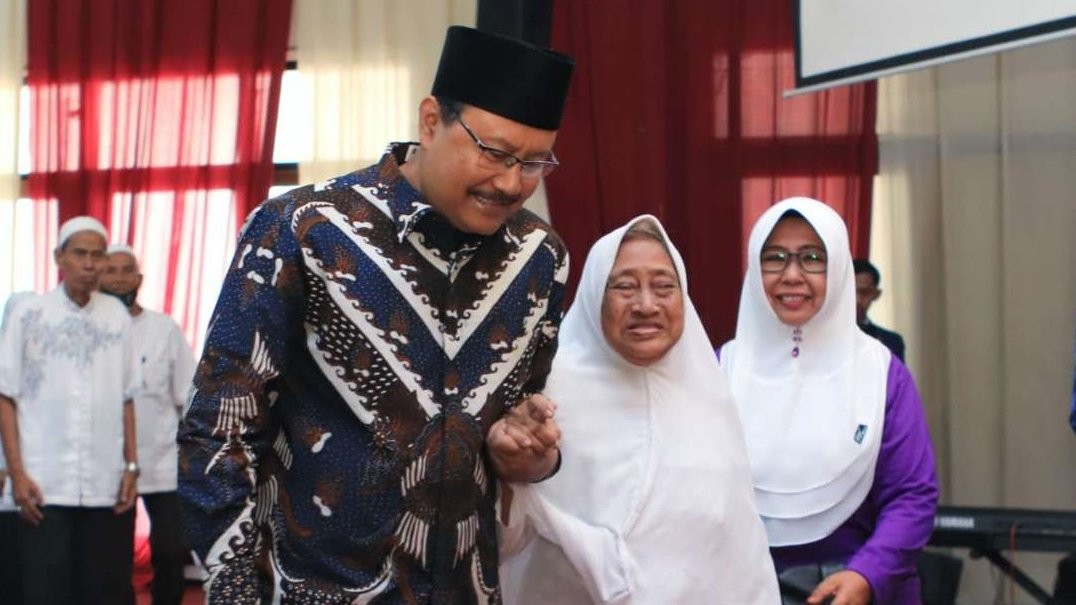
[(677, 110), (138, 104)]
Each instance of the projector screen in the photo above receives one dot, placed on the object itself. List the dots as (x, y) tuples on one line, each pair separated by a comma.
[(843, 41)]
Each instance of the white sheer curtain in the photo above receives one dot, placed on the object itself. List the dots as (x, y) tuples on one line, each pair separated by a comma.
[(24, 265), (203, 227), (12, 62), (363, 66), (975, 235)]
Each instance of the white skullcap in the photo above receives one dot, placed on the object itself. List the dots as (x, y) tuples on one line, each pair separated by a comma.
[(77, 224), (124, 248)]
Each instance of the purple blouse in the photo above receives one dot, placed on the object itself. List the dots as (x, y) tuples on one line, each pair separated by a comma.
[(883, 538)]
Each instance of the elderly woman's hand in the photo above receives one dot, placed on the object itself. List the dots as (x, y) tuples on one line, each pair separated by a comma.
[(523, 445)]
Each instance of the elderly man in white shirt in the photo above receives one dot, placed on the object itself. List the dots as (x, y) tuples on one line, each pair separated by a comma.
[(67, 378), (167, 370), (10, 563)]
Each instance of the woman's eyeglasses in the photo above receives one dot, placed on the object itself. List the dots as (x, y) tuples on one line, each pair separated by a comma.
[(810, 259)]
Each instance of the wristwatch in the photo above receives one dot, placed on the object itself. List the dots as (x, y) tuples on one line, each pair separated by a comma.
[(132, 467)]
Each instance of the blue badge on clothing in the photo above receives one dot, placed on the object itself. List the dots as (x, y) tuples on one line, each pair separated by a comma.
[(861, 432)]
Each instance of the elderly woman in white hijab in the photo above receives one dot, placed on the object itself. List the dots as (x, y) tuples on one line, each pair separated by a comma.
[(840, 454), (653, 502)]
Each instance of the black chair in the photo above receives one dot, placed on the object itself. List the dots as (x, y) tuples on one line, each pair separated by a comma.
[(939, 577), (1065, 585), (797, 583)]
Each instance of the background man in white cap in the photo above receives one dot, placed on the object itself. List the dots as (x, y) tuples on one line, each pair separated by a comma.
[(67, 377), (167, 366), (370, 366)]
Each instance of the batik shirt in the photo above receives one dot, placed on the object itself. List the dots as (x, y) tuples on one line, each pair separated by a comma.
[(361, 349)]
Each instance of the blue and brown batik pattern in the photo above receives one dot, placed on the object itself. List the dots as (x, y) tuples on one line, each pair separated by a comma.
[(360, 351)]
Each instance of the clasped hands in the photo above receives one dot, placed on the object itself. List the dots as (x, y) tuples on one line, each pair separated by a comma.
[(524, 443)]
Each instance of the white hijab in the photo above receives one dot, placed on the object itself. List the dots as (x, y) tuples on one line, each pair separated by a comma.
[(813, 422), (653, 500)]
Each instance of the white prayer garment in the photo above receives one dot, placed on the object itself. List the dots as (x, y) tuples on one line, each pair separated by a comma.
[(653, 501)]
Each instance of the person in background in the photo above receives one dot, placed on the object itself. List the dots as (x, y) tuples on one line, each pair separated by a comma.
[(654, 501), (1065, 582), (10, 561), (1072, 402), (371, 365), (67, 379), (840, 453), (867, 281), (167, 367)]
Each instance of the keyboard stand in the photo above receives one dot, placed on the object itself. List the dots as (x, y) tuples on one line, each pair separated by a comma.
[(1010, 569)]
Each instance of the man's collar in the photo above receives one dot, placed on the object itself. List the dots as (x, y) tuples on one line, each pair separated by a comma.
[(407, 206), (405, 203), (62, 293)]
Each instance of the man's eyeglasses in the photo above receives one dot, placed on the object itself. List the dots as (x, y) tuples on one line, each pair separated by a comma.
[(496, 159), (810, 259)]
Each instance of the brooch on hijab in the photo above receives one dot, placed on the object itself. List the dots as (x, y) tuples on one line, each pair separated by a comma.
[(797, 337), (861, 432)]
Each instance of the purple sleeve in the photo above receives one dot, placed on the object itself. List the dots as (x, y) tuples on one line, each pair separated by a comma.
[(1072, 406), (904, 496)]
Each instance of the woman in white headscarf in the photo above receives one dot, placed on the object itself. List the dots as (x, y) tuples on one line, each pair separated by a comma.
[(840, 455), (653, 502)]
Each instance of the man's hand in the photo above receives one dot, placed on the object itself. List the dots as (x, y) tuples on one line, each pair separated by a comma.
[(523, 445), (846, 587), (125, 499), (28, 498)]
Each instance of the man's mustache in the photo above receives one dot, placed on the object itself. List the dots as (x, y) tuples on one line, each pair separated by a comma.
[(497, 197)]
